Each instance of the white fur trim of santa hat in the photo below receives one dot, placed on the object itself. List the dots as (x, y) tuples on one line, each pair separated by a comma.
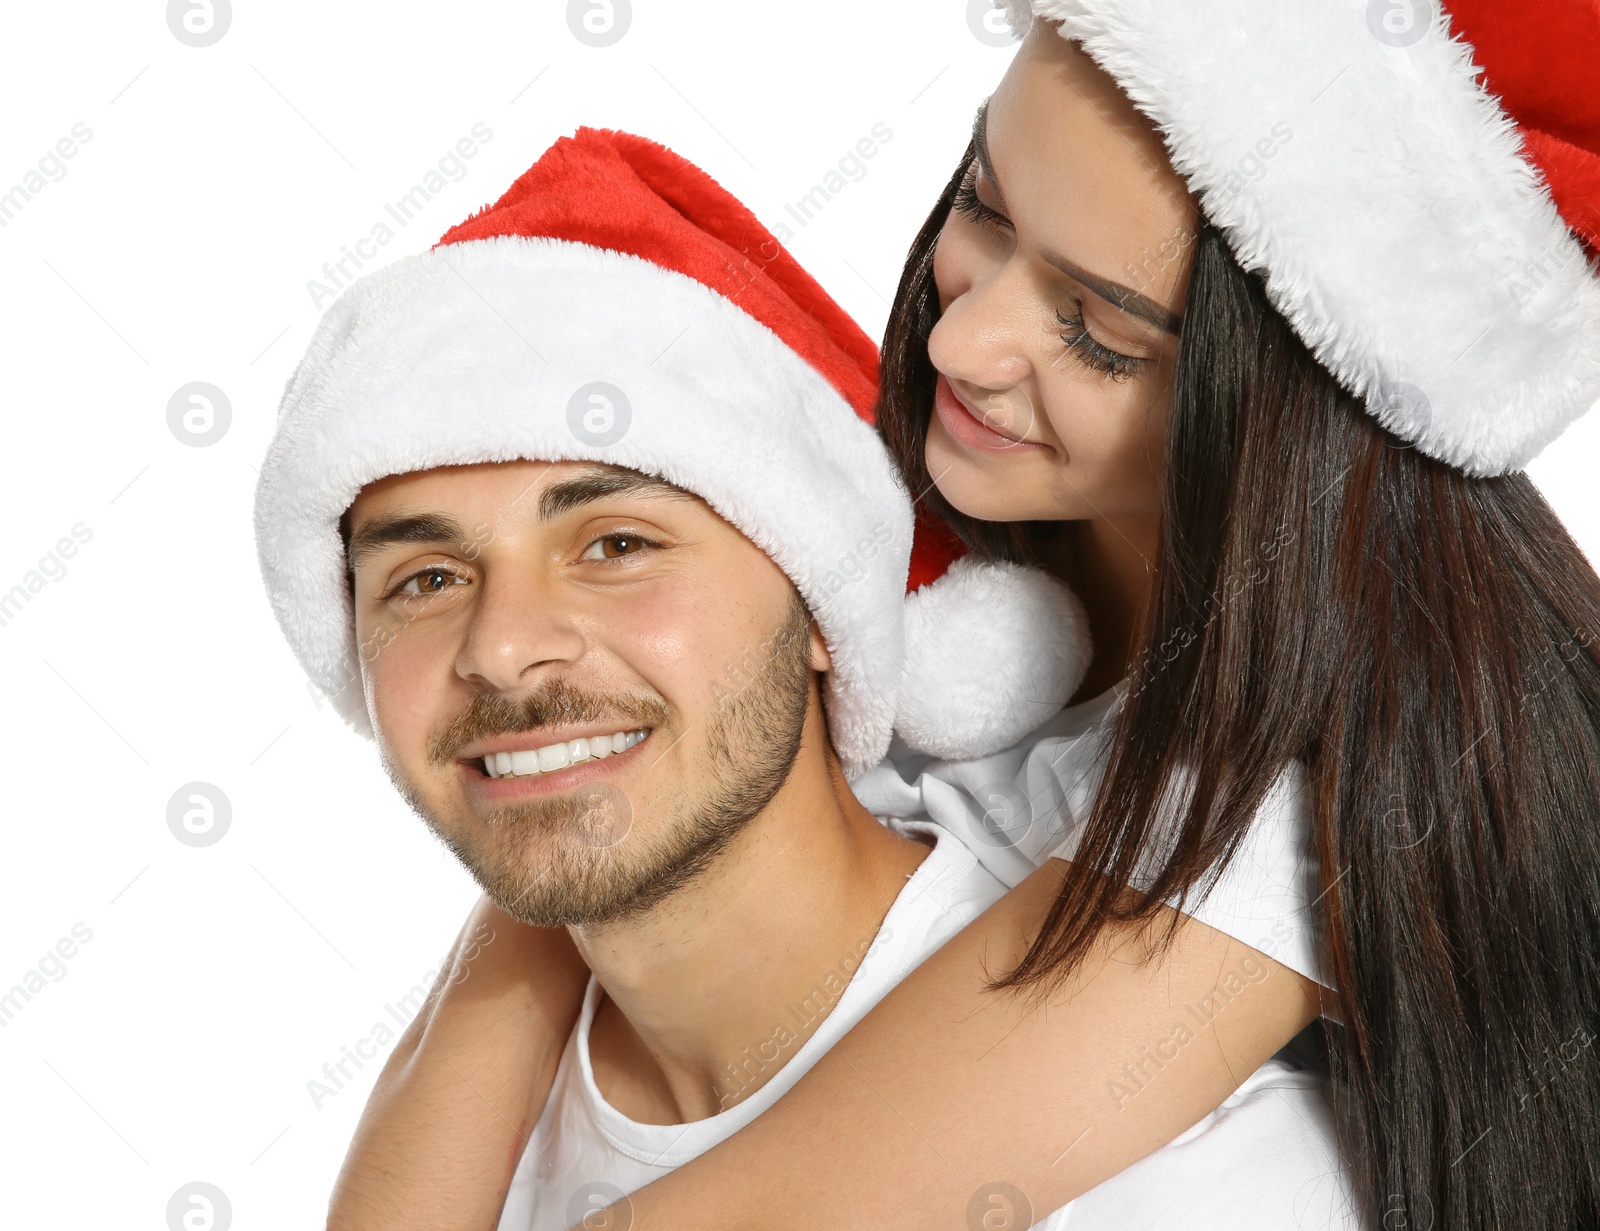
[(1397, 225), (472, 352)]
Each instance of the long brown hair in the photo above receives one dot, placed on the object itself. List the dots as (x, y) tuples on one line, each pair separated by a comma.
[(1427, 645)]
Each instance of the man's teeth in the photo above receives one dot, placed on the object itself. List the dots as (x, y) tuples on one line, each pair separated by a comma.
[(558, 756)]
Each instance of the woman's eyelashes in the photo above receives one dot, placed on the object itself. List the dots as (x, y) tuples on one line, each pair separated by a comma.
[(1116, 365), (966, 201), (1074, 333)]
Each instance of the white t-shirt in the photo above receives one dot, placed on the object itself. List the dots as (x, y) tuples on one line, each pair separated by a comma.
[(1019, 807), (1263, 1161)]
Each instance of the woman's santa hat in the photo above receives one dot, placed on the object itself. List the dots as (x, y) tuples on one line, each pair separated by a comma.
[(1429, 235), (617, 305)]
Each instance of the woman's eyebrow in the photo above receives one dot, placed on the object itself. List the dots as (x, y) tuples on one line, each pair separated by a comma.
[(1114, 293), (1119, 296)]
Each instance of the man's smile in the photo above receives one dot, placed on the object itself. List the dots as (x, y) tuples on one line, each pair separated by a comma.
[(528, 768)]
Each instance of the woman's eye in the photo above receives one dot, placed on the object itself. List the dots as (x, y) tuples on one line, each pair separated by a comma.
[(427, 581), (967, 204), (1075, 337), (615, 546)]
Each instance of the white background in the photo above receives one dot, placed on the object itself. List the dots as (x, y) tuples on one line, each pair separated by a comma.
[(179, 1042)]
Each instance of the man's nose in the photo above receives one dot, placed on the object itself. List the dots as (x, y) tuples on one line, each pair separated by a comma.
[(521, 630)]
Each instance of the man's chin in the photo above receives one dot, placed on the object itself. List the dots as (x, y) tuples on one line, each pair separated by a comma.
[(550, 863), (572, 875), (594, 817)]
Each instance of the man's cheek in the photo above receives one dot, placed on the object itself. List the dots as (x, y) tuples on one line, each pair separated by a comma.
[(403, 687), (678, 649)]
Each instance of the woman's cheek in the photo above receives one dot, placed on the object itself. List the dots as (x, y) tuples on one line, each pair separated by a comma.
[(1095, 425), (952, 266), (1073, 413)]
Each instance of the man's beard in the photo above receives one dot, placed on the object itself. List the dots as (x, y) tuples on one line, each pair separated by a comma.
[(574, 858)]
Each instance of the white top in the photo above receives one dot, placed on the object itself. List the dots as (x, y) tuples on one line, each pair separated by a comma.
[(1017, 808), (1263, 1161)]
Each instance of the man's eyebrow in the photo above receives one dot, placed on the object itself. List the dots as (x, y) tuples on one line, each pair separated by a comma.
[(557, 499), (584, 489), (402, 528), (1114, 293)]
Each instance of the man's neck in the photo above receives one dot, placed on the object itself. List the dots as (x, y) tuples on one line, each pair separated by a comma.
[(709, 994)]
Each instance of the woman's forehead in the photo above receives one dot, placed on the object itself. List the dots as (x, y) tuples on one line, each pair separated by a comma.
[(1083, 172)]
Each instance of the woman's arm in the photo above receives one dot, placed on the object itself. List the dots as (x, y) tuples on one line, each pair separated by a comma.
[(941, 1091), (456, 1101), (945, 1089)]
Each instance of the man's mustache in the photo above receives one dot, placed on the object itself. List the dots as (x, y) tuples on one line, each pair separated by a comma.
[(555, 703)]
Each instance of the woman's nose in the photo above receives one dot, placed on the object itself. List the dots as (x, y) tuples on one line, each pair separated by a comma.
[(981, 338)]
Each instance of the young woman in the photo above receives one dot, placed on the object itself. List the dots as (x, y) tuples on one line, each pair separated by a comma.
[(1279, 584)]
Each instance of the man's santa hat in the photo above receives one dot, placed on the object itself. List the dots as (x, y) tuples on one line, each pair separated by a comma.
[(1429, 235), (617, 305)]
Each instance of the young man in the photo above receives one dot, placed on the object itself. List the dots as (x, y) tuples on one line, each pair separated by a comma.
[(579, 515), (574, 708)]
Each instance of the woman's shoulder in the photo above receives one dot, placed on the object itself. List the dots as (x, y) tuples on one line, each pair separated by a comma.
[(1016, 808), (1012, 808)]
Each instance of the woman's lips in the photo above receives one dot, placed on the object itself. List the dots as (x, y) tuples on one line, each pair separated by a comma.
[(965, 425)]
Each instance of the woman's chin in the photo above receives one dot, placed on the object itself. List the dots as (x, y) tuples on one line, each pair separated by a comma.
[(991, 487)]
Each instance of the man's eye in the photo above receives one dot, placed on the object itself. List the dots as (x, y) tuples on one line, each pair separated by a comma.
[(427, 581), (615, 546)]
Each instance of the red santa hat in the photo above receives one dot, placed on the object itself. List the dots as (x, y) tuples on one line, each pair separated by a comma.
[(1429, 235), (617, 305)]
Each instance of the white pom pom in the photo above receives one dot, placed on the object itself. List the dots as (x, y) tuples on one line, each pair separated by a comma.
[(993, 650)]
